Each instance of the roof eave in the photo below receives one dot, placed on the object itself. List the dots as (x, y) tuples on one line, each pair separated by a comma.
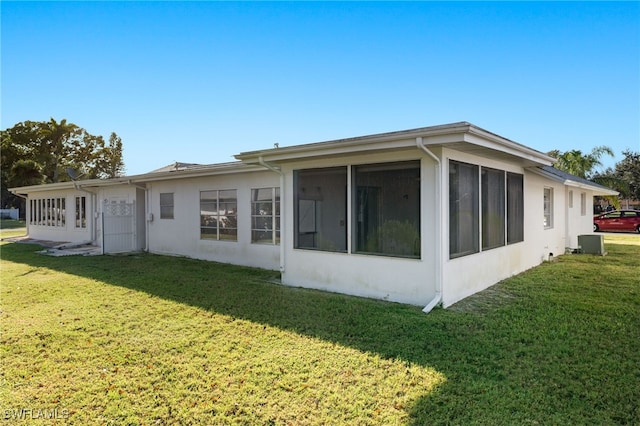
[(339, 146), (443, 135), (210, 170), (594, 187), (510, 147)]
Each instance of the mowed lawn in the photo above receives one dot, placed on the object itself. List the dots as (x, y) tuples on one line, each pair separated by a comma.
[(153, 340)]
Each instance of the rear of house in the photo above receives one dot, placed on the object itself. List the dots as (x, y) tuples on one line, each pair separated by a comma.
[(425, 216)]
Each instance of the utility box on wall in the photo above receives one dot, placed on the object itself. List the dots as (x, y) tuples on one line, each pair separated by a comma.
[(591, 244)]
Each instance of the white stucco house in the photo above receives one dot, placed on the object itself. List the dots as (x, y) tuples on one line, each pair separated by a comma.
[(425, 216)]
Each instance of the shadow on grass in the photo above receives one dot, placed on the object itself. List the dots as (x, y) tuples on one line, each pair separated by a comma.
[(499, 364)]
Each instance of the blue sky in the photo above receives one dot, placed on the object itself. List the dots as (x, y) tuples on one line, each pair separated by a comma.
[(201, 81)]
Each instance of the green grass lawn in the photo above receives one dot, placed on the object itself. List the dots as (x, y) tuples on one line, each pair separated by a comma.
[(12, 228), (150, 340)]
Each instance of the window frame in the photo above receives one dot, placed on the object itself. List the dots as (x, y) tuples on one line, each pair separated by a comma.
[(50, 212), (80, 212), (570, 199), (310, 205), (387, 233), (459, 247), (221, 233), (515, 209), (274, 215), (166, 205), (547, 207), (493, 235), (477, 226)]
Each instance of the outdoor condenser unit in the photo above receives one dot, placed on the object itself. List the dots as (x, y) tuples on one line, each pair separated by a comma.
[(591, 244)]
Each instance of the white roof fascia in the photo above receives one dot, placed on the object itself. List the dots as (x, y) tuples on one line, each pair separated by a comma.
[(432, 136), (382, 141), (50, 186), (597, 189), (208, 170), (481, 137), (325, 149)]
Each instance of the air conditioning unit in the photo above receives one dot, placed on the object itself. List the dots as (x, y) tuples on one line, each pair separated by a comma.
[(591, 244)]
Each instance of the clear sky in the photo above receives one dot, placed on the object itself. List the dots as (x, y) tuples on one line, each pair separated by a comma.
[(201, 81)]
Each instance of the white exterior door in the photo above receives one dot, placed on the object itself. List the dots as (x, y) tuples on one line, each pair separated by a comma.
[(119, 226)]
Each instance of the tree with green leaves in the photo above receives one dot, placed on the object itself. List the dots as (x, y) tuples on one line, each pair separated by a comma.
[(629, 170), (579, 164), (34, 152), (625, 177), (584, 165)]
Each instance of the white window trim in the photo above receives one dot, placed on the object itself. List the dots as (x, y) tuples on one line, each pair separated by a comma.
[(172, 205), (548, 208), (80, 217), (48, 212), (570, 199), (275, 218), (218, 216)]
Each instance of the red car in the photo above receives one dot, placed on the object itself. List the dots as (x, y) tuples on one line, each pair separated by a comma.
[(618, 220)]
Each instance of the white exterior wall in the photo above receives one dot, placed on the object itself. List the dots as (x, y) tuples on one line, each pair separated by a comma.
[(411, 281), (70, 233), (64, 234), (578, 223), (181, 235), (470, 274), (542, 243)]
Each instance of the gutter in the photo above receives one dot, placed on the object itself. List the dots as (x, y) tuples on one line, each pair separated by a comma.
[(278, 170), (437, 299)]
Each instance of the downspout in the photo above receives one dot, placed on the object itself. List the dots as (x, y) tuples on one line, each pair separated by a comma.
[(147, 208), (437, 299), (282, 230), (94, 208)]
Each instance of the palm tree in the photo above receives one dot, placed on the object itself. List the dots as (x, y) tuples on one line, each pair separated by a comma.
[(579, 164), (25, 173)]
